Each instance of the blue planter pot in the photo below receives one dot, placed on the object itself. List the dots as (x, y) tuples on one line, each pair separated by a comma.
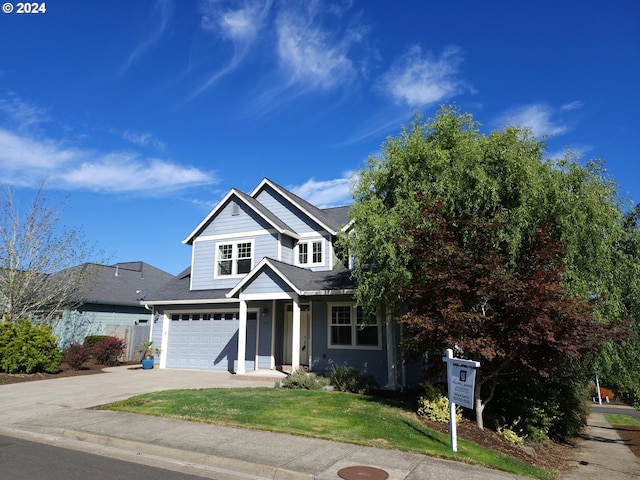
[(147, 363)]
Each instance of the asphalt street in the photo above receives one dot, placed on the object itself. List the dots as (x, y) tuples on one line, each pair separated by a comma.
[(24, 460)]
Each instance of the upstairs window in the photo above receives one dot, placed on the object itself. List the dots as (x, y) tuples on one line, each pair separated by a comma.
[(234, 258), (310, 253), (303, 253), (244, 258)]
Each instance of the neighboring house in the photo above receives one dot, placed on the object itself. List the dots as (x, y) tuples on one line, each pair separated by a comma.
[(266, 290), (111, 305)]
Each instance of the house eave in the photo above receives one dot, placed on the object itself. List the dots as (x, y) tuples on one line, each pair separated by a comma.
[(319, 293), (188, 302)]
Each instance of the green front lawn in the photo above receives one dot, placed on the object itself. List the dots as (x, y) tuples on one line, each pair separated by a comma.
[(341, 417)]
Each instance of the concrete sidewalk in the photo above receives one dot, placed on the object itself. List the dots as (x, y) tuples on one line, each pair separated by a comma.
[(59, 412), (601, 453)]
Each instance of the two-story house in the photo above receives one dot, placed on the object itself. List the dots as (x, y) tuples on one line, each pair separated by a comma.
[(267, 290)]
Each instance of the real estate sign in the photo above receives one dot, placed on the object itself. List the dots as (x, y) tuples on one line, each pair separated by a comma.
[(462, 381), (461, 374)]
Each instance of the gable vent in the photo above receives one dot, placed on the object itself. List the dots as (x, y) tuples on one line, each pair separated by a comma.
[(235, 209)]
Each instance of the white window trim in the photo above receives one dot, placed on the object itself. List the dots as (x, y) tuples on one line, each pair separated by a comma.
[(354, 326), (234, 258), (309, 243)]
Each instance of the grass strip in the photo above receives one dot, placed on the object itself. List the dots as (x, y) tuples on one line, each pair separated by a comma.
[(619, 419), (341, 417)]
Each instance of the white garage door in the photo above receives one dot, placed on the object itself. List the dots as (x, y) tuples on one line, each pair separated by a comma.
[(209, 341)]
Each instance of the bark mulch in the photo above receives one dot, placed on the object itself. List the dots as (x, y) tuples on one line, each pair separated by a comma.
[(630, 436)]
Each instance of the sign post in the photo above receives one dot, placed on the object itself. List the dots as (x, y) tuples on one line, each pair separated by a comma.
[(461, 375)]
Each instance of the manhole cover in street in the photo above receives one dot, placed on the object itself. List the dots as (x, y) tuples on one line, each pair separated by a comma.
[(362, 473)]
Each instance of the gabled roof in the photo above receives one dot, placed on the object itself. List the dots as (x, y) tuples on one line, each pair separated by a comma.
[(339, 216), (121, 283), (177, 292), (301, 280), (331, 223), (252, 204)]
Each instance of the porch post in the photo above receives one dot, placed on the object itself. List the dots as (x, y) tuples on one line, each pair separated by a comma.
[(242, 338), (273, 334), (164, 343), (295, 338)]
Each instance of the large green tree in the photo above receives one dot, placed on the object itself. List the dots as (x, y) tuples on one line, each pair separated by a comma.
[(518, 321), (618, 362), (503, 177)]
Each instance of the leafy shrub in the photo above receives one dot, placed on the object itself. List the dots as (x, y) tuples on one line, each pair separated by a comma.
[(348, 379), (75, 355), (434, 405), (108, 351), (551, 408), (302, 380), (509, 433), (26, 347), (91, 341)]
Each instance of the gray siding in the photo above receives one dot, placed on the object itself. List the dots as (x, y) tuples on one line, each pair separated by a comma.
[(225, 222), (204, 257), (372, 362), (287, 250), (267, 282), (286, 212)]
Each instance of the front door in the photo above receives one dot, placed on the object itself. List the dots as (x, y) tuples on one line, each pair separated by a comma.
[(305, 324)]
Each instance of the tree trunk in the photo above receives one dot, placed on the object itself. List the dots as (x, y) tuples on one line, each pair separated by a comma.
[(479, 409)]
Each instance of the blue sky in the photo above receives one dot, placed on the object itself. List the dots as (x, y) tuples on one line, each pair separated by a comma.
[(142, 115)]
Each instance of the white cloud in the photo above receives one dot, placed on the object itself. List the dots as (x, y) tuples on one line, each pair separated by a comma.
[(21, 112), (310, 55), (539, 117), (309, 40), (325, 193), (26, 161), (144, 140), (575, 105), (127, 173), (575, 151), (418, 80), (160, 13), (241, 26)]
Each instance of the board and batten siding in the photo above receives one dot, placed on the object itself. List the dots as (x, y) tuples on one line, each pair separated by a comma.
[(204, 259)]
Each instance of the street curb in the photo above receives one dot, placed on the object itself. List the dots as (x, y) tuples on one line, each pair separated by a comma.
[(203, 465)]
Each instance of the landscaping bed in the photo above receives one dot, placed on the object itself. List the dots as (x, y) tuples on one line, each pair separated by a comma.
[(89, 367), (630, 436), (553, 456)]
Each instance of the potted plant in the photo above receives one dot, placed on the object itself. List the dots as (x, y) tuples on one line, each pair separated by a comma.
[(148, 352)]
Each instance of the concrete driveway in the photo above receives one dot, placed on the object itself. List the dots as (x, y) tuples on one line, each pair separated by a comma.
[(21, 401)]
